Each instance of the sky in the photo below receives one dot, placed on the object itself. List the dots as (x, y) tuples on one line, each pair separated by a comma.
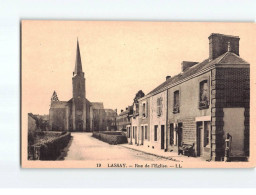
[(118, 58)]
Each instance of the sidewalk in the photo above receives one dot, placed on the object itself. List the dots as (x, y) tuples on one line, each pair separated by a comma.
[(160, 153)]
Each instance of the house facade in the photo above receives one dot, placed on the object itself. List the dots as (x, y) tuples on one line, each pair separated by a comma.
[(202, 105), (123, 119)]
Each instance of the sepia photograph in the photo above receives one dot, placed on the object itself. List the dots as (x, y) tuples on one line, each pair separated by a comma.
[(121, 94)]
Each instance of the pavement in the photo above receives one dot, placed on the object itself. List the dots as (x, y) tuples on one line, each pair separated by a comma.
[(161, 153)]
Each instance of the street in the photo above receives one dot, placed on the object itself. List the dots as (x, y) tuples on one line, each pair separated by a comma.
[(85, 147)]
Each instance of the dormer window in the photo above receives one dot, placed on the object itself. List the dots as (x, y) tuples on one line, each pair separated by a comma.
[(204, 95), (176, 102)]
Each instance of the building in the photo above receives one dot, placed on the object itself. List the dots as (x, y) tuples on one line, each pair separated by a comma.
[(134, 133), (202, 105), (32, 122), (122, 120), (110, 119), (78, 113)]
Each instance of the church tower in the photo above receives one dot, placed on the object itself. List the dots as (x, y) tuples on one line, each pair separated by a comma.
[(79, 95)]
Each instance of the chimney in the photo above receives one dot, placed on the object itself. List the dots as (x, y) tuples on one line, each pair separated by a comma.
[(168, 77), (220, 44), (186, 64)]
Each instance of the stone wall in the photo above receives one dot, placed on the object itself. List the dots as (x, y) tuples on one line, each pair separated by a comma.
[(230, 89)]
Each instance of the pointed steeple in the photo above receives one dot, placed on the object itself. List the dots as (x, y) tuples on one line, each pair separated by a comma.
[(78, 67), (54, 97)]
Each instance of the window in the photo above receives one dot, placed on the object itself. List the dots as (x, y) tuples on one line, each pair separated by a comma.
[(176, 102), (204, 95), (144, 109), (155, 133), (159, 106), (171, 134), (206, 133)]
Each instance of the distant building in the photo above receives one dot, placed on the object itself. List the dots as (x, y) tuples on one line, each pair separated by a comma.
[(123, 119), (110, 119), (78, 113), (32, 122), (201, 106)]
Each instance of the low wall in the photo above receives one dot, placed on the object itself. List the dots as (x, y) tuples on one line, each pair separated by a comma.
[(49, 149), (111, 137)]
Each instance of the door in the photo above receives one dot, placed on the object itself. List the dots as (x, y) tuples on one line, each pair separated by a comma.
[(142, 135), (136, 135), (162, 136), (179, 133), (80, 126), (199, 139), (234, 125)]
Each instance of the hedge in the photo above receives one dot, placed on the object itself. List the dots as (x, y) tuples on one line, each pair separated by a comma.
[(50, 149), (111, 137)]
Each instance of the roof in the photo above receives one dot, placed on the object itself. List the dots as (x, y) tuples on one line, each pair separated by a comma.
[(110, 110), (97, 105), (226, 58), (128, 111), (78, 66), (32, 116)]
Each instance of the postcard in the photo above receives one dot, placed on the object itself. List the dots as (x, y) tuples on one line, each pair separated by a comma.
[(126, 94)]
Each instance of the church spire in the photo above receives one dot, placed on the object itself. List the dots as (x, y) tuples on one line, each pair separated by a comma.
[(54, 97), (78, 67)]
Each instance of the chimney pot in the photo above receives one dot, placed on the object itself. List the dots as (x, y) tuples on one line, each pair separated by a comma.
[(168, 77)]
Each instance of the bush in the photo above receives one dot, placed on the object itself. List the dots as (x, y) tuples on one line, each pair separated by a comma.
[(111, 138), (49, 149)]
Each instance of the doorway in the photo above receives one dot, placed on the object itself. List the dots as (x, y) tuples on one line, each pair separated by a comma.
[(142, 135), (234, 125), (162, 136), (199, 139), (80, 126), (179, 133)]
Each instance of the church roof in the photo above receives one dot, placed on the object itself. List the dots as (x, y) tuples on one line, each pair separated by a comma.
[(97, 105), (226, 58)]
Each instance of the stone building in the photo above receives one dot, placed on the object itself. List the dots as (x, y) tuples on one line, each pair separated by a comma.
[(78, 113), (32, 122), (202, 104), (110, 119), (122, 120)]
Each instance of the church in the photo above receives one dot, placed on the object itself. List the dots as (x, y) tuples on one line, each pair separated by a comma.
[(78, 113)]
